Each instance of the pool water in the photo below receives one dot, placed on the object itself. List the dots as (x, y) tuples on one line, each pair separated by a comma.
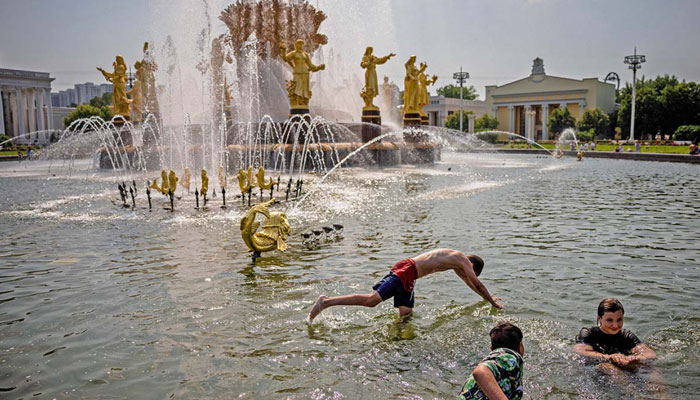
[(100, 301)]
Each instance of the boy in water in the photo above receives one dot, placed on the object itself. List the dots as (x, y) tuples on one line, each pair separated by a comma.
[(499, 376), (400, 281)]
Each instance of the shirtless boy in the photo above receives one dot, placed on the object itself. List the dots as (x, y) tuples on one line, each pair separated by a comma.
[(400, 281)]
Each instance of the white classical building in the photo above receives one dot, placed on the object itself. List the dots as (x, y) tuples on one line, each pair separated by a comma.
[(25, 102), (440, 107), (524, 106)]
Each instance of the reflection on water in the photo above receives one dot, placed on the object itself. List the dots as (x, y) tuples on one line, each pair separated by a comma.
[(97, 299)]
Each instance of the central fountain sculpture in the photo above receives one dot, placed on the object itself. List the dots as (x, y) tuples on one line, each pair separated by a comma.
[(245, 71)]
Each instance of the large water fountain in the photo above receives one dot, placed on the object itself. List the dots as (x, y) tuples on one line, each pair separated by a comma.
[(161, 299)]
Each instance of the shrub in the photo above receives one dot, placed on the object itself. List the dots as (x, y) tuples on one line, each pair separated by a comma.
[(687, 132), (488, 137)]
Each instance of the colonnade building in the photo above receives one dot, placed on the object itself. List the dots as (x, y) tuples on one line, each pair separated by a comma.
[(524, 106), (25, 102)]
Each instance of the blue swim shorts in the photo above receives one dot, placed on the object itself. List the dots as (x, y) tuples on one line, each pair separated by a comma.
[(391, 286)]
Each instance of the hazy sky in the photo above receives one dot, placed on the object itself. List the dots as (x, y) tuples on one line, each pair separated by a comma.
[(494, 40)]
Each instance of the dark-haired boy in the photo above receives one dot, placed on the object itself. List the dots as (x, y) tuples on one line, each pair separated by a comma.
[(499, 376), (400, 281)]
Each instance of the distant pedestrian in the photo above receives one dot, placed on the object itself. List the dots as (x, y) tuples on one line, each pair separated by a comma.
[(592, 146), (637, 146), (621, 148), (19, 155), (693, 149)]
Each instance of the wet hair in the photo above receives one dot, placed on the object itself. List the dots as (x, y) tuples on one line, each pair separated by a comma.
[(506, 335), (609, 305), (477, 262)]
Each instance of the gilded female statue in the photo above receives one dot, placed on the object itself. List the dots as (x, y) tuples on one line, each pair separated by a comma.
[(298, 88), (423, 82), (370, 62), (410, 94), (118, 80)]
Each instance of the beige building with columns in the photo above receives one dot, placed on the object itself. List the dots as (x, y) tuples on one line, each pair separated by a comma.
[(25, 104), (523, 106)]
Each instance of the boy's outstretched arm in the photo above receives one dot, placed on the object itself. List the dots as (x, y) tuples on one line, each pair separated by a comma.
[(487, 383), (466, 272)]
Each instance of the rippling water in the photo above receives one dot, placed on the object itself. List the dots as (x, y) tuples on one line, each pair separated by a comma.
[(97, 301)]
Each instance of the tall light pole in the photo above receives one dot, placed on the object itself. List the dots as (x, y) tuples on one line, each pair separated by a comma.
[(635, 62), (461, 77)]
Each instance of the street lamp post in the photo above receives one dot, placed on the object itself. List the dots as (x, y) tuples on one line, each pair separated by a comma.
[(461, 77), (635, 62)]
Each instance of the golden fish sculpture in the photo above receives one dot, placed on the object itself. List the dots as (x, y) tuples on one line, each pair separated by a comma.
[(186, 177), (172, 181), (261, 179), (222, 177), (275, 229), (245, 181), (205, 183), (163, 188)]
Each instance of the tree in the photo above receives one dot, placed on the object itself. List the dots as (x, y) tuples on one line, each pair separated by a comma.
[(104, 100), (452, 91), (87, 111), (596, 121), (486, 123), (560, 119), (687, 132), (452, 121)]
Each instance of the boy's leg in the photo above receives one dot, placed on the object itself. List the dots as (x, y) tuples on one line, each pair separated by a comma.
[(405, 311), (366, 300)]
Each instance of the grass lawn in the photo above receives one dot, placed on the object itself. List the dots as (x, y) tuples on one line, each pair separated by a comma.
[(609, 147)]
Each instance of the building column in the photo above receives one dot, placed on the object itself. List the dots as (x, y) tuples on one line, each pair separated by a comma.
[(20, 113), (582, 105), (527, 122), (39, 94), (49, 116), (472, 117), (511, 119), (545, 119), (2, 115), (31, 110)]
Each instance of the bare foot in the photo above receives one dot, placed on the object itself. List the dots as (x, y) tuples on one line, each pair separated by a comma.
[(316, 309)]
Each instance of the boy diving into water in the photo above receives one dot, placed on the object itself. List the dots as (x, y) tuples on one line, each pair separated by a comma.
[(400, 281)]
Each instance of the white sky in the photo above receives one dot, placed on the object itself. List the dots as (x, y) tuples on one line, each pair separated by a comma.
[(494, 40)]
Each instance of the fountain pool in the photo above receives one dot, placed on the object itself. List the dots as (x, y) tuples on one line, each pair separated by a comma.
[(97, 300)]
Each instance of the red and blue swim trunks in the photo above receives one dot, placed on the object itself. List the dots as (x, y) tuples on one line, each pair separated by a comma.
[(399, 283)]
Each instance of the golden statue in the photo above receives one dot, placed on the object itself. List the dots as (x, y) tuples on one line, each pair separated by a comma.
[(245, 181), (185, 181), (118, 79), (136, 93), (164, 179), (172, 181), (148, 81), (227, 96), (298, 88), (423, 83), (411, 90), (261, 179), (205, 183), (222, 177), (275, 229), (371, 89)]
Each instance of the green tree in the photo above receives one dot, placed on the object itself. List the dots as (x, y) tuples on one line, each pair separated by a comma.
[(687, 132), (559, 120), (87, 111), (596, 121), (452, 91), (486, 123), (452, 121), (104, 100)]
